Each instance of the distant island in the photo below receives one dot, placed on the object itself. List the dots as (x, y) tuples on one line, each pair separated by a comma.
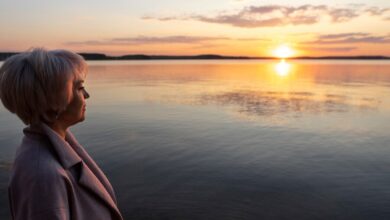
[(100, 56)]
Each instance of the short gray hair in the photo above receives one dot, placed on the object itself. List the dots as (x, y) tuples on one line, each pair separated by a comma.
[(33, 83)]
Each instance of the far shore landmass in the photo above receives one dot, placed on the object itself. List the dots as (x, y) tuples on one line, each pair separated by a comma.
[(100, 56)]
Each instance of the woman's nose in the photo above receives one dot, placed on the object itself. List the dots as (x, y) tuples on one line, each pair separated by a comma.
[(86, 94)]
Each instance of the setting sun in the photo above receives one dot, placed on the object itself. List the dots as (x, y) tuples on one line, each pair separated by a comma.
[(283, 51)]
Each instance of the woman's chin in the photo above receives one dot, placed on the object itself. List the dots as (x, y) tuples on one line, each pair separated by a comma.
[(82, 118)]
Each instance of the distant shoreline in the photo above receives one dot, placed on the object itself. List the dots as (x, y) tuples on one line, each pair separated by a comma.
[(99, 56)]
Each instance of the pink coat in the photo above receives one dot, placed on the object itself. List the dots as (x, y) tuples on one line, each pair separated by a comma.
[(56, 179)]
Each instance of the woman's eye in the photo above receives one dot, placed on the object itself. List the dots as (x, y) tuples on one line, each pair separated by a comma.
[(81, 88)]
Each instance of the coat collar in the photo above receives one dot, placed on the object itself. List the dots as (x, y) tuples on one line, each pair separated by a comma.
[(70, 153), (66, 155)]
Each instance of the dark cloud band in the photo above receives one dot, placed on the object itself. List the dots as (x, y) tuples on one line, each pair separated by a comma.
[(177, 39), (277, 15), (350, 38)]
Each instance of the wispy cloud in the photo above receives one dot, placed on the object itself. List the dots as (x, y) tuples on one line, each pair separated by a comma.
[(179, 39), (167, 39), (350, 38), (327, 49), (377, 11), (278, 15)]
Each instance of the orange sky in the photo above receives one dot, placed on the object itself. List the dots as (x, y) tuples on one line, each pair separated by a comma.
[(226, 27)]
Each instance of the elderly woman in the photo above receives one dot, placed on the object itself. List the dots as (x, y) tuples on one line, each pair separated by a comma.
[(53, 177)]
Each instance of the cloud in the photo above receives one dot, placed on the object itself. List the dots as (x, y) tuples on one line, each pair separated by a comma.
[(350, 38), (168, 39), (278, 15), (328, 49), (377, 11), (343, 35), (177, 39)]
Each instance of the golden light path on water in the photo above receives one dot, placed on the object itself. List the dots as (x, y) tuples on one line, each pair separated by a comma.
[(283, 68)]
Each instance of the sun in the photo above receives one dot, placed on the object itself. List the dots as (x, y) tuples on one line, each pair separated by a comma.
[(283, 51)]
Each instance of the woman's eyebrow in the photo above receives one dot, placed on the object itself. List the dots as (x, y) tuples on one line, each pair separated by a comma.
[(79, 81)]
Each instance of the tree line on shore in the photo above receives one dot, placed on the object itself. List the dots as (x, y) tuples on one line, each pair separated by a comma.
[(100, 56)]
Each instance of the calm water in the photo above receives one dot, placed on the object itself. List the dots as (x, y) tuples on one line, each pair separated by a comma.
[(236, 139)]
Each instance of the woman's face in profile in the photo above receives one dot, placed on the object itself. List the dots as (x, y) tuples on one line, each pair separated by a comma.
[(75, 111)]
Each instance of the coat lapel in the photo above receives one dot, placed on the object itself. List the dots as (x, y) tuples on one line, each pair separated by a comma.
[(71, 154), (90, 164), (89, 180)]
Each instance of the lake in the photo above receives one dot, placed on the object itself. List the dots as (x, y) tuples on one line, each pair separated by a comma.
[(235, 139)]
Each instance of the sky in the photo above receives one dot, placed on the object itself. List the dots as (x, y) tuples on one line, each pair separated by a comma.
[(174, 27)]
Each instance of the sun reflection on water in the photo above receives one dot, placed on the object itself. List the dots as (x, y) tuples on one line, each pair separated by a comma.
[(283, 68)]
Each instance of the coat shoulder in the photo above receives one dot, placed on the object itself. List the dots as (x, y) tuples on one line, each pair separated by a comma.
[(36, 161), (39, 185)]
